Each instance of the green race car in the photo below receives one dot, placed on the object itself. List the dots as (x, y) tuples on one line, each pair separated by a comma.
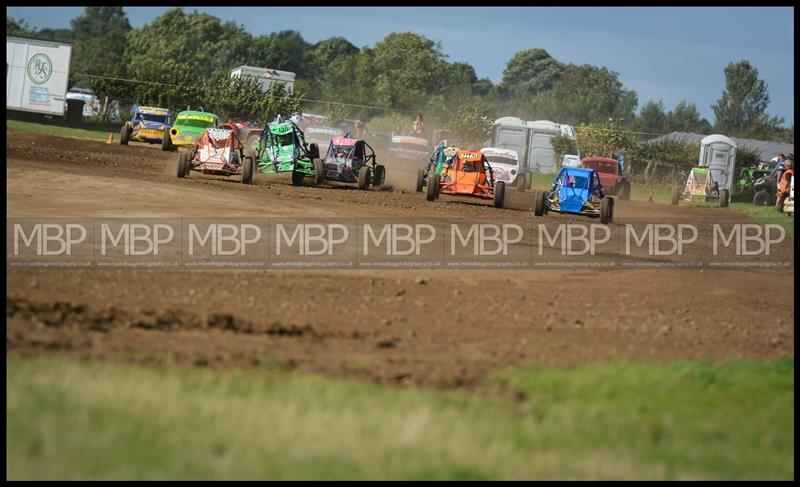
[(282, 148), (189, 126)]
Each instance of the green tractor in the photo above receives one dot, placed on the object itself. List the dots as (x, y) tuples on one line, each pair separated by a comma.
[(746, 186), (282, 148)]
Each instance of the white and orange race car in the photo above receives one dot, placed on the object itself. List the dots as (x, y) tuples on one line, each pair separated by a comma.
[(469, 174), (217, 152)]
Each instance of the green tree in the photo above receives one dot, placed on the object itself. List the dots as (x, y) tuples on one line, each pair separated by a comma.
[(531, 71), (408, 69), (584, 94), (198, 40), (686, 118), (652, 118), (741, 111), (99, 43), (472, 125), (16, 27)]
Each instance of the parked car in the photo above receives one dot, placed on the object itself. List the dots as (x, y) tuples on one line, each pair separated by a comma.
[(610, 172), (91, 106)]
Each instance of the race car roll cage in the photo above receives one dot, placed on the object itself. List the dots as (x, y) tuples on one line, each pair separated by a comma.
[(369, 156), (448, 166), (553, 197), (236, 147), (298, 141)]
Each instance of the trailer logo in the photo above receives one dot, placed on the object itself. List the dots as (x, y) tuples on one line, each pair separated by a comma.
[(40, 68)]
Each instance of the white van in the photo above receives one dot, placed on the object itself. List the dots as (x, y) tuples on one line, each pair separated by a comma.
[(531, 140)]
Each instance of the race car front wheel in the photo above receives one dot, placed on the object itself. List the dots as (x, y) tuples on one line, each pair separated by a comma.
[(166, 142), (124, 135), (364, 177), (297, 178), (420, 180), (433, 187), (379, 176), (247, 170), (319, 171), (499, 194), (538, 203), (607, 210), (181, 165)]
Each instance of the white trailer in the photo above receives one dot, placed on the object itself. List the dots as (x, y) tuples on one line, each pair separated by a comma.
[(531, 140), (267, 77), (37, 74)]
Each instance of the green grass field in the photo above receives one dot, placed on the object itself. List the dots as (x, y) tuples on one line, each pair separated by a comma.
[(733, 420), (59, 130)]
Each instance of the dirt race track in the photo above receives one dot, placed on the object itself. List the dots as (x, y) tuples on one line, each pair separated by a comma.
[(431, 328)]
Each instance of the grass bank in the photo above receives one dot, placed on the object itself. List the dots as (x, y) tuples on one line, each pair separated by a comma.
[(77, 420), (59, 130)]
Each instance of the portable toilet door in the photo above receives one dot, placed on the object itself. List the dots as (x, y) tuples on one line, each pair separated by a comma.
[(718, 153), (541, 155), (510, 133)]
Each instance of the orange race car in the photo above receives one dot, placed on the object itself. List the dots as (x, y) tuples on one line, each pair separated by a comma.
[(468, 174)]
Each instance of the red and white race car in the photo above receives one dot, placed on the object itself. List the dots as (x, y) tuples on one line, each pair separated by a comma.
[(219, 151)]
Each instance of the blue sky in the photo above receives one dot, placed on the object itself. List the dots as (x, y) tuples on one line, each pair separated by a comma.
[(667, 53)]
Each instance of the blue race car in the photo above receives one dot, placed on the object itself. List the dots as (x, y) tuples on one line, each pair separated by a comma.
[(148, 124), (577, 191)]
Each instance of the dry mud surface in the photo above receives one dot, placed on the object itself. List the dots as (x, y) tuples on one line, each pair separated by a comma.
[(431, 328)]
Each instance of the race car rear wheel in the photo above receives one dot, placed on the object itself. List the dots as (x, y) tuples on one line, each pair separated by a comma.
[(297, 178), (676, 194), (607, 210), (124, 135), (319, 171), (313, 151), (247, 170), (379, 177), (433, 187), (499, 194), (181, 165), (538, 203), (420, 180), (364, 177)]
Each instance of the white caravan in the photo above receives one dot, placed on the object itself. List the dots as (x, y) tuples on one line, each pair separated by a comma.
[(37, 73), (267, 77), (531, 140)]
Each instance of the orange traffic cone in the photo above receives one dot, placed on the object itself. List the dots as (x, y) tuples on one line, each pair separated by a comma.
[(110, 138), (650, 197)]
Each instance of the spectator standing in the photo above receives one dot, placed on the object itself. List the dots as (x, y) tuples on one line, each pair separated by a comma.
[(417, 126)]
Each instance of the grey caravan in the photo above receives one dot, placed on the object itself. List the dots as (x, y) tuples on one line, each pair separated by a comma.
[(718, 153), (531, 140)]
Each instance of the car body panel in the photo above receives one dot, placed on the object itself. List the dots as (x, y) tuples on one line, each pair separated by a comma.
[(506, 172), (467, 175), (345, 157), (148, 124), (608, 170), (189, 126), (576, 191), (217, 151)]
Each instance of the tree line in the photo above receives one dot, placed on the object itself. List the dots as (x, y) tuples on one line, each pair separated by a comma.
[(192, 53)]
